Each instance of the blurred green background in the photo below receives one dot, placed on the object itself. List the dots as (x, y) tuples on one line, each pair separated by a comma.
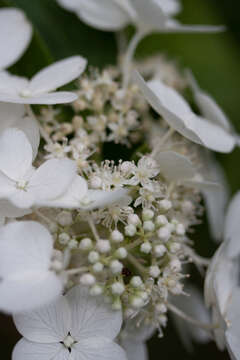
[(214, 59)]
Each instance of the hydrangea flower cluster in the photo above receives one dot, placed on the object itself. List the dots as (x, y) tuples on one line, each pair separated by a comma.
[(96, 219)]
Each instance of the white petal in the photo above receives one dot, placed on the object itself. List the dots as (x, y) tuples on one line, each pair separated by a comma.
[(208, 106), (28, 291), (29, 252), (7, 186), (174, 166), (170, 7), (233, 332), (21, 198), (60, 97), (48, 324), (199, 183), (232, 227), (15, 154), (151, 15), (14, 115), (56, 75), (73, 196), (91, 317), (15, 35), (106, 15), (174, 26), (216, 202), (11, 211), (135, 350), (99, 198), (26, 350), (98, 348), (52, 179), (11, 85), (192, 305), (169, 104), (175, 110)]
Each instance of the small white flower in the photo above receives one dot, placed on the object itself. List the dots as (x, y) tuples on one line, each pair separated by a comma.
[(24, 185), (15, 36), (75, 326), (178, 114), (25, 255), (41, 88)]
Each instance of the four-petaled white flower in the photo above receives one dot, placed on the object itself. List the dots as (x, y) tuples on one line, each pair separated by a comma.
[(25, 258), (74, 327), (15, 36), (175, 110), (222, 290), (20, 182), (41, 88)]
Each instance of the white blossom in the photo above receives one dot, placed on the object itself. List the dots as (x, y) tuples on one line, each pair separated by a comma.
[(21, 183), (178, 114), (15, 36), (75, 326), (41, 88), (27, 281)]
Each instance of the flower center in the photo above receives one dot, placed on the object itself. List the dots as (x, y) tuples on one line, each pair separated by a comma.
[(68, 341), (22, 185)]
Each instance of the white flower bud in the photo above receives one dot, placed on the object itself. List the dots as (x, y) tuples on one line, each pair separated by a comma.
[(175, 247), (103, 246), (130, 230), (133, 219), (177, 289), (121, 253), (175, 265), (117, 236), (161, 308), (165, 205), (180, 230), (95, 182), (118, 288), (146, 248), (53, 227), (63, 238), (162, 319), (154, 271), (96, 290), (73, 244), (164, 233), (98, 267), (65, 218), (137, 302), (127, 166), (93, 257), (87, 279), (147, 214), (85, 244), (116, 267), (136, 282), (148, 226), (160, 250), (161, 220), (143, 295), (187, 207)]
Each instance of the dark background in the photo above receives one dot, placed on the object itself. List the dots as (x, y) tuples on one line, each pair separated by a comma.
[(214, 59)]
